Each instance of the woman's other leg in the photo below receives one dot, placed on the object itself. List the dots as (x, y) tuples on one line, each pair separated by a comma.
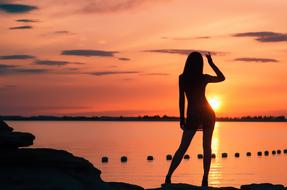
[(207, 139), (185, 142)]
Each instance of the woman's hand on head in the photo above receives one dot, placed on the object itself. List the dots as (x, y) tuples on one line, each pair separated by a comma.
[(208, 56)]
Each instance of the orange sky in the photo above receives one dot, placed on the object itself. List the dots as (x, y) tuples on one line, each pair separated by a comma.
[(137, 49)]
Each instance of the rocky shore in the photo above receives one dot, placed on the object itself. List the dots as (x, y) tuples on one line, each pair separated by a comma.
[(50, 169)]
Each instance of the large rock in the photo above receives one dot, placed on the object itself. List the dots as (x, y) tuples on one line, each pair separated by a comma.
[(13, 140), (49, 169), (262, 186), (4, 127), (183, 186), (123, 186)]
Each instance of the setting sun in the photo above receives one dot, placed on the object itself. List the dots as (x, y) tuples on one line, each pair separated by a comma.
[(215, 103)]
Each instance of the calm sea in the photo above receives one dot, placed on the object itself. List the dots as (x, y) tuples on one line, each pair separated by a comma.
[(137, 140)]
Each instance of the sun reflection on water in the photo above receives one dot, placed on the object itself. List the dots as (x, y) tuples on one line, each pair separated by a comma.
[(215, 175)]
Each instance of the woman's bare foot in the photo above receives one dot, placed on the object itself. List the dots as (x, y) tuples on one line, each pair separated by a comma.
[(167, 180), (204, 182)]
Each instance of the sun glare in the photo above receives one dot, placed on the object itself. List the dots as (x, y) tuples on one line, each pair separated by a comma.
[(215, 103)]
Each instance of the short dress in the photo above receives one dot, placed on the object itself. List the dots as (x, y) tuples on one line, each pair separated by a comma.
[(199, 112)]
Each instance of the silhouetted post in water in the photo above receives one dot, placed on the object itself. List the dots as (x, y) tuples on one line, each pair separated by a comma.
[(149, 158), (169, 157), (186, 157), (124, 159), (199, 156), (105, 159), (192, 84), (224, 155), (259, 153), (237, 155)]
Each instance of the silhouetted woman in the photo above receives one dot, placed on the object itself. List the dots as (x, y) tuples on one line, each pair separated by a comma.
[(200, 116)]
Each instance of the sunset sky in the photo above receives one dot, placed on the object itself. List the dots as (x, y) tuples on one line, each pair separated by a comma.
[(123, 57)]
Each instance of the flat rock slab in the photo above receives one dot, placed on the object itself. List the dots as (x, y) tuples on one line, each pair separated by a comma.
[(183, 186), (15, 140), (123, 186), (4, 127), (262, 186), (48, 169)]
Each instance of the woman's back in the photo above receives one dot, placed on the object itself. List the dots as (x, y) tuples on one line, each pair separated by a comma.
[(194, 88)]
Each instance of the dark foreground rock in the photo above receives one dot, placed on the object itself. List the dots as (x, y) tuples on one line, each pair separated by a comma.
[(50, 169), (47, 169), (182, 186), (13, 140), (263, 186), (4, 127)]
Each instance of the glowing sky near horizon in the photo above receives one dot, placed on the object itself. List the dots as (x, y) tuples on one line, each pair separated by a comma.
[(123, 57)]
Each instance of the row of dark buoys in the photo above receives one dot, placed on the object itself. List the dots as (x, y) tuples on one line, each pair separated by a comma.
[(105, 159)]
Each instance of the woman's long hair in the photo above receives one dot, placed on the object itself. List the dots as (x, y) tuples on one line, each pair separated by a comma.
[(193, 68)]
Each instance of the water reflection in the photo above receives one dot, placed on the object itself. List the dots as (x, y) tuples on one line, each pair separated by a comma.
[(215, 140), (93, 140)]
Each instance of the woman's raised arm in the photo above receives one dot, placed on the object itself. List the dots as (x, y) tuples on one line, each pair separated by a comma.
[(219, 75)]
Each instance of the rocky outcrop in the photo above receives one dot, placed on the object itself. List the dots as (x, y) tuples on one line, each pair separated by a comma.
[(13, 140), (50, 169), (262, 186), (47, 169), (181, 186)]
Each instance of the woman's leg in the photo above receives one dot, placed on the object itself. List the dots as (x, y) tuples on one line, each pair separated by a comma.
[(185, 141), (207, 138)]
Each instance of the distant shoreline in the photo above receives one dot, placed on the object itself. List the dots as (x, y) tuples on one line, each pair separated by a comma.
[(140, 118)]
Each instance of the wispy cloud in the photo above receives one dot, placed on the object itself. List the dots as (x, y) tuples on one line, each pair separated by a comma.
[(26, 20), (63, 32), (19, 56), (102, 73), (21, 27), (16, 8), (186, 38), (124, 59), (54, 62), (100, 6), (264, 36), (4, 67), (254, 59), (182, 51), (13, 69), (89, 53), (51, 62), (155, 74)]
